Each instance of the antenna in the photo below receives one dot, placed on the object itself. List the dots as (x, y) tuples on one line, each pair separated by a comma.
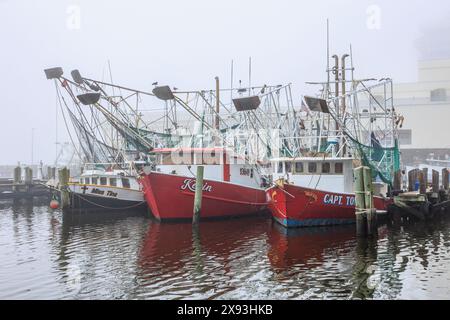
[(249, 75), (351, 62), (231, 91), (328, 57)]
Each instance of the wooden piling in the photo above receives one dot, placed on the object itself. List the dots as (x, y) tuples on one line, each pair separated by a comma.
[(411, 180), (445, 178), (397, 185), (359, 188), (28, 178), (425, 177), (368, 189), (372, 223), (422, 184), (63, 176), (17, 178), (435, 181), (371, 214), (198, 195), (366, 214), (358, 185)]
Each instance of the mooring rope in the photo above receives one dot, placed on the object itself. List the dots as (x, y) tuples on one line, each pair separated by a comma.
[(106, 207)]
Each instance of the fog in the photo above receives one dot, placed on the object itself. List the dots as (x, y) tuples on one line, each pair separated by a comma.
[(187, 43)]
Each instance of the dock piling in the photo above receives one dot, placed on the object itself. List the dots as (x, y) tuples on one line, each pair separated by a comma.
[(63, 176), (435, 181), (445, 178), (198, 195), (28, 178), (425, 177), (17, 178), (359, 201), (366, 215), (397, 185), (422, 181)]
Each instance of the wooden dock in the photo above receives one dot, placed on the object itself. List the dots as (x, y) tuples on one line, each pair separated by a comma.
[(423, 200), (36, 188), (20, 187)]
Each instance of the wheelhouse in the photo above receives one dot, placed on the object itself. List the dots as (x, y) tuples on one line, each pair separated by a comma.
[(318, 173)]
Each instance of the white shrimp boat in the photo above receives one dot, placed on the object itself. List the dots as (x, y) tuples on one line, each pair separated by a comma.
[(108, 189)]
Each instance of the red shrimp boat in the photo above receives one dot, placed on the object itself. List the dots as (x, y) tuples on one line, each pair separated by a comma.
[(231, 188), (305, 201)]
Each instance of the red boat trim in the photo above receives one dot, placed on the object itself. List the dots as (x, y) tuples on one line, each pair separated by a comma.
[(226, 169)]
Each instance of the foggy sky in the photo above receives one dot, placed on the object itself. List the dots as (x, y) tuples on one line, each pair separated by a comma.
[(187, 43)]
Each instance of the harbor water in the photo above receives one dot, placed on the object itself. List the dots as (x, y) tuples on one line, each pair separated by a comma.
[(46, 254)]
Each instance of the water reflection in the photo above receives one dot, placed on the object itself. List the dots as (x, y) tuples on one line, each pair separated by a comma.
[(305, 246), (48, 254)]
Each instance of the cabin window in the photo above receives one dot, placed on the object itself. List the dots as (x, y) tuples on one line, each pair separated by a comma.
[(299, 167), (103, 181), (86, 180), (280, 167), (125, 183), (312, 167), (94, 180), (338, 167), (113, 182), (288, 166), (326, 167)]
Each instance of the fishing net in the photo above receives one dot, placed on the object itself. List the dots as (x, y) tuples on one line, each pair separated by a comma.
[(383, 161)]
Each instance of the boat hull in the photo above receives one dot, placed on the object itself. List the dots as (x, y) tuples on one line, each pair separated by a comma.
[(295, 206), (95, 197), (172, 197)]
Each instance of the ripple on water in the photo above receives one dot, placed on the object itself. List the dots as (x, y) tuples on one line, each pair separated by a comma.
[(48, 255)]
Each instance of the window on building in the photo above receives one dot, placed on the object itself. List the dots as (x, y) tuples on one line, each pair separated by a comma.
[(113, 182), (86, 180), (326, 167), (404, 136), (94, 180), (103, 181), (338, 167), (288, 166), (125, 182), (280, 167), (438, 95), (299, 167), (312, 167)]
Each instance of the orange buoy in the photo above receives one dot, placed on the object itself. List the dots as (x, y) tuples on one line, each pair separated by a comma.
[(54, 204)]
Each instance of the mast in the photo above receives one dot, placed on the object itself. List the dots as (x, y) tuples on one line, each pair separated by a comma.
[(217, 119), (336, 88)]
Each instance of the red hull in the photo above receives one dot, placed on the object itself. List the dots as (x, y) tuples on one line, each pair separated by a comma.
[(295, 206), (172, 197)]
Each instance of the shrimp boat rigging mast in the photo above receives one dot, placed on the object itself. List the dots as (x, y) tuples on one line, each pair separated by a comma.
[(229, 151), (108, 139), (340, 131)]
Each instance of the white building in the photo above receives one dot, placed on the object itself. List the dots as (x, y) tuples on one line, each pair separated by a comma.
[(426, 108)]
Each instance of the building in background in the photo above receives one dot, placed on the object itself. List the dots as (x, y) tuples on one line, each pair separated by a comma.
[(425, 105)]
